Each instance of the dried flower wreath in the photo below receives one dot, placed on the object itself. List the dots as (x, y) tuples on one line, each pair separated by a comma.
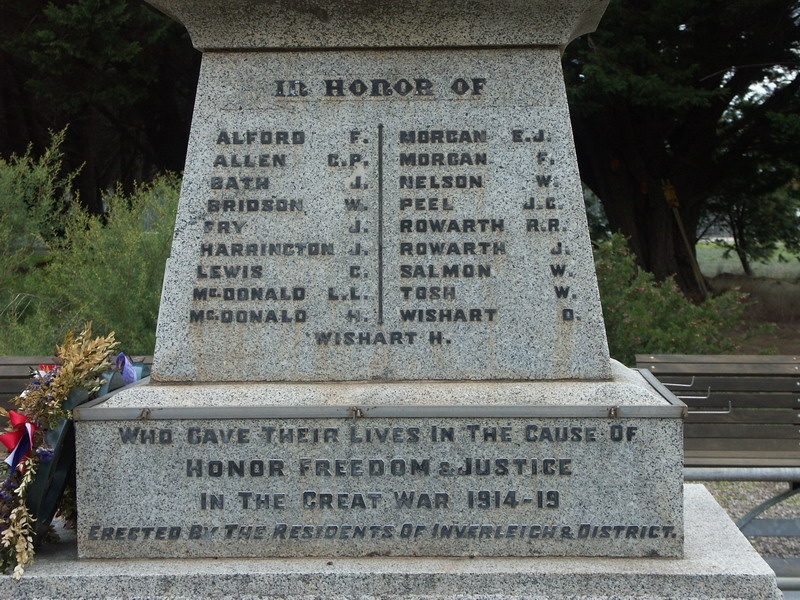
[(35, 428)]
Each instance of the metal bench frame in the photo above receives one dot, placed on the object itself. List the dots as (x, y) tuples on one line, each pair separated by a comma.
[(742, 423)]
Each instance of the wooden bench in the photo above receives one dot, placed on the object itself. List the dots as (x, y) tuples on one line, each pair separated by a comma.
[(742, 424), (15, 373)]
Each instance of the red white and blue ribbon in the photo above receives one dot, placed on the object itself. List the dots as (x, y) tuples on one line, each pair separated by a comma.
[(19, 442)]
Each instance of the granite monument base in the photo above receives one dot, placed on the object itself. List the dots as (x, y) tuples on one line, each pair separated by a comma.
[(382, 469), (718, 563)]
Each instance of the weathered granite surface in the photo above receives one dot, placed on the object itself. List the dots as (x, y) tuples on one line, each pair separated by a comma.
[(260, 470), (384, 487), (719, 563), (380, 331), (301, 24), (406, 215), (625, 392)]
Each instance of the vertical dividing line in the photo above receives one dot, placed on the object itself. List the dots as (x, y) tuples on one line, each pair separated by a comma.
[(380, 223)]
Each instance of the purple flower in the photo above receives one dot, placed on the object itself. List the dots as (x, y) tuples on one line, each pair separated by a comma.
[(45, 454), (7, 486), (125, 366)]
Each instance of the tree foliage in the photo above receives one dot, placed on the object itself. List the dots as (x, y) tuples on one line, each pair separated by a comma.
[(32, 197), (102, 268), (759, 202), (109, 268), (120, 74), (761, 221), (662, 93)]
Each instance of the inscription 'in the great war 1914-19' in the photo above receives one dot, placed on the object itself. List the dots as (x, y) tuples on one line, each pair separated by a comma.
[(423, 187)]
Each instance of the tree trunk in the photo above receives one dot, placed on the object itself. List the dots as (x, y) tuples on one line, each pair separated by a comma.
[(87, 183), (17, 126), (616, 167), (748, 270)]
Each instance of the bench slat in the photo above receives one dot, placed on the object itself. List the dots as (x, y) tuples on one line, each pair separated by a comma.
[(746, 415), (742, 445), (731, 384), (748, 401), (717, 358), (9, 385), (710, 458), (737, 431), (48, 360), (27, 360), (16, 371), (22, 370), (736, 369), (720, 401)]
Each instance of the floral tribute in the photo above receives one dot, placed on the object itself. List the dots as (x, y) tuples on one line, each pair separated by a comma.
[(81, 361)]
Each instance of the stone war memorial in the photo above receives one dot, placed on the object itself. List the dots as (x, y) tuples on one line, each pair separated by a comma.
[(381, 367)]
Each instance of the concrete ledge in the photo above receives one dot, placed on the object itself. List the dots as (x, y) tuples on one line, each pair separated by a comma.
[(719, 563)]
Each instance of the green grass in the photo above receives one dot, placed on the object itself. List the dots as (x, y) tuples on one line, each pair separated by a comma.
[(773, 292), (713, 263), (770, 299)]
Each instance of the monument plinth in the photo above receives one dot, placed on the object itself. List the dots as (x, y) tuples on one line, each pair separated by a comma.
[(380, 332)]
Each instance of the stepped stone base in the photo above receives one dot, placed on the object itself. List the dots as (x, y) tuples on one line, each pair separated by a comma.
[(719, 563), (371, 469)]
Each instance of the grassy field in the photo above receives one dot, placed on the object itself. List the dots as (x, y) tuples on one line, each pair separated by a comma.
[(772, 324), (713, 263)]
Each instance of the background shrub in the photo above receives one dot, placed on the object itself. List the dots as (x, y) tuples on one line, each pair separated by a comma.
[(62, 266), (32, 197), (109, 269), (646, 316)]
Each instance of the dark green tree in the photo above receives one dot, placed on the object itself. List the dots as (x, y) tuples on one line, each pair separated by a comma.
[(759, 202), (120, 75), (662, 94)]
